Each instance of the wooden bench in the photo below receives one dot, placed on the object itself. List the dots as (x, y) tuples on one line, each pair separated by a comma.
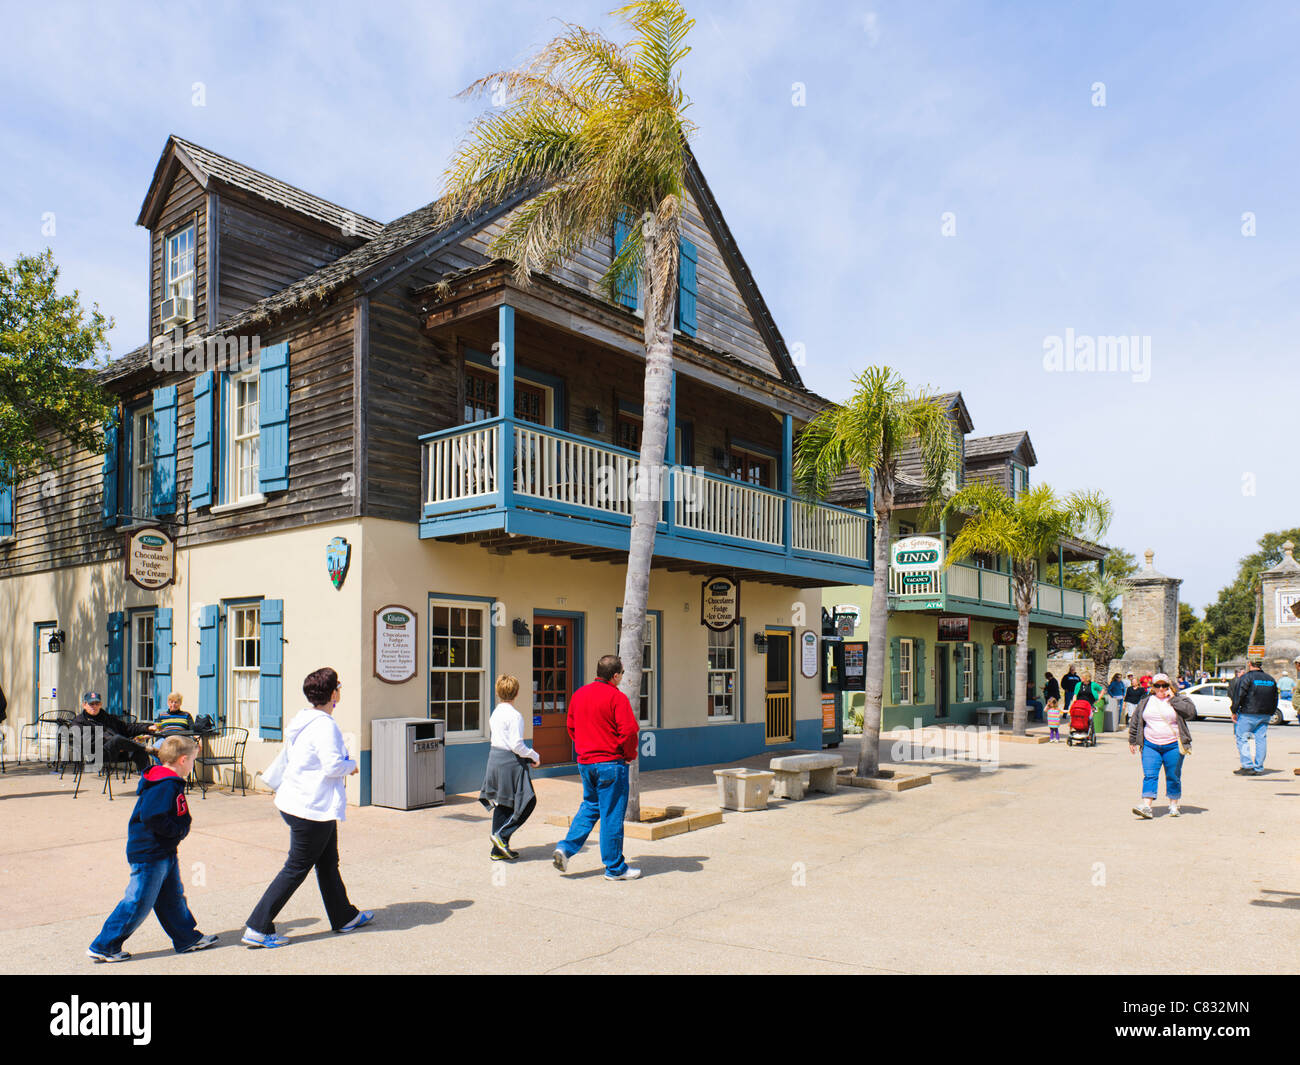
[(743, 789), (797, 773), (986, 715)]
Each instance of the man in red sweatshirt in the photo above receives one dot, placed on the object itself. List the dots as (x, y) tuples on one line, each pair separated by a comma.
[(604, 732)]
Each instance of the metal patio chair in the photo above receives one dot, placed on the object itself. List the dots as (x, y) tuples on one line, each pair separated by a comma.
[(225, 746)]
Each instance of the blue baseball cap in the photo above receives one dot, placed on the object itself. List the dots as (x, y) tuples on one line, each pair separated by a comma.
[(91, 697)]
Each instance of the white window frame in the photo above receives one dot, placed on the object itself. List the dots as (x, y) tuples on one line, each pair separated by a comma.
[(142, 646), (245, 711), (179, 283), (245, 443), (141, 502), (1001, 670), (906, 672), (729, 676), (967, 693), (649, 674), (482, 669)]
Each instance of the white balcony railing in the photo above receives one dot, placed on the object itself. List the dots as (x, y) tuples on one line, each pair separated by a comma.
[(462, 465), (723, 507), (831, 532), (988, 586), (1049, 597), (565, 470)]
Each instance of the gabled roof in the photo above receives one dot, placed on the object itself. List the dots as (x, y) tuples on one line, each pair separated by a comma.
[(206, 166), (953, 402), (980, 447)]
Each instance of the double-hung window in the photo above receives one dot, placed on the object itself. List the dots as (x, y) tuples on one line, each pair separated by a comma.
[(142, 651), (649, 659), (141, 471), (1001, 671), (243, 426), (179, 258), (245, 657), (966, 679), (906, 685), (724, 673), (458, 666)]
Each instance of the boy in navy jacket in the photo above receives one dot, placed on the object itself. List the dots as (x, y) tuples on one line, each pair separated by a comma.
[(160, 820)]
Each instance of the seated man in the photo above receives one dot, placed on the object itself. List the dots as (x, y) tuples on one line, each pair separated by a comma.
[(115, 734), (1035, 705)]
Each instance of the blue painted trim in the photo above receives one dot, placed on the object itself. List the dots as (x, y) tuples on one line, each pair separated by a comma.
[(364, 758), (787, 481), (558, 385), (506, 404), (456, 430), (223, 664), (471, 505)]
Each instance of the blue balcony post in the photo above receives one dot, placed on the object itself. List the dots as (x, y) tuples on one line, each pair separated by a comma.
[(670, 458), (787, 481), (504, 357), (1060, 575)]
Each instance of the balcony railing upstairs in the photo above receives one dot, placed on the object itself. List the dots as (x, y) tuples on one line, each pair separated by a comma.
[(559, 474), (973, 583)]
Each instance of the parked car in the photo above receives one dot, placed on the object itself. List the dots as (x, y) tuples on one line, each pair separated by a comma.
[(1211, 700)]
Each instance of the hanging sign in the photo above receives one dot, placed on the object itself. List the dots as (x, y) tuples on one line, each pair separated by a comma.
[(808, 655), (338, 554), (913, 553), (150, 557), (1062, 640), (395, 644), (1255, 650), (719, 603), (1004, 635), (955, 628)]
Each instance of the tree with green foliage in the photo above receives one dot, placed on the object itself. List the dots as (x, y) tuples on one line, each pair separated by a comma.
[(1232, 615), (599, 131), (50, 348), (1023, 529), (871, 431)]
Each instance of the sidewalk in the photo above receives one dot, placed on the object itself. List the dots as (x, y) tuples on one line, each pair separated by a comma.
[(1038, 866)]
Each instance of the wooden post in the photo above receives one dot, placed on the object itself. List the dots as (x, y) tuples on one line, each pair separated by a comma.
[(787, 481)]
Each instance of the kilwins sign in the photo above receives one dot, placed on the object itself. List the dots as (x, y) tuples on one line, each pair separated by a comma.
[(916, 559), (150, 559), (719, 603)]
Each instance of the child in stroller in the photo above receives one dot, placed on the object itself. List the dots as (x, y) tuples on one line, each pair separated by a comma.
[(1081, 730)]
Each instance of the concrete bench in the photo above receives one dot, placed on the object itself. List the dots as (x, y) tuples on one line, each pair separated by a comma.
[(797, 773), (990, 715), (743, 789)]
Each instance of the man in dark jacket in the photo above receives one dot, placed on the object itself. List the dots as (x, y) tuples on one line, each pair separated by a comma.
[(1253, 706), (160, 820), (114, 740), (1069, 684)]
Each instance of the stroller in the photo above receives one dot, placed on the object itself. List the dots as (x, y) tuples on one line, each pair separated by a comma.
[(1081, 731)]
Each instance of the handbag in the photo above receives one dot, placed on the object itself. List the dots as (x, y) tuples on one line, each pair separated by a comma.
[(273, 775)]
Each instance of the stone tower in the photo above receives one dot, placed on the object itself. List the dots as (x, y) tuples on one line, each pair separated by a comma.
[(1151, 621), (1281, 626)]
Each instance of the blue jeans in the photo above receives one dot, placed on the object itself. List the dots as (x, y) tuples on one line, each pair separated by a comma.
[(1153, 757), (604, 799), (1252, 725), (154, 886)]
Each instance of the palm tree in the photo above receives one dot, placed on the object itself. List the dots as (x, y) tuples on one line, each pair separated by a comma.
[(1024, 529), (599, 131), (870, 432)]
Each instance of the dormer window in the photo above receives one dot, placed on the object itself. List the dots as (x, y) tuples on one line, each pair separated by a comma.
[(178, 286)]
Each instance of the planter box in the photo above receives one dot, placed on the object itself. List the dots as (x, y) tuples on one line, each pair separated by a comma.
[(889, 780), (657, 822), (744, 789)]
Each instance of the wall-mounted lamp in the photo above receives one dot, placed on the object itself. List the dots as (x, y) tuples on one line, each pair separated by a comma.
[(760, 642), (57, 639), (595, 420), (523, 638)]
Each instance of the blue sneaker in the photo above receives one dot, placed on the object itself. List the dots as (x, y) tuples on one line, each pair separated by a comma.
[(258, 939), (363, 918)]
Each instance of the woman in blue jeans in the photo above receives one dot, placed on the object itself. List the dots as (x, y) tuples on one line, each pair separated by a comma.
[(1158, 728)]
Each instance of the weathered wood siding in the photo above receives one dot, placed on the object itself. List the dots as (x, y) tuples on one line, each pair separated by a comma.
[(723, 320), (186, 202), (259, 254)]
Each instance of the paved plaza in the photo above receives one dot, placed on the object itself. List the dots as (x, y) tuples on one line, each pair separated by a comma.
[(1038, 866)]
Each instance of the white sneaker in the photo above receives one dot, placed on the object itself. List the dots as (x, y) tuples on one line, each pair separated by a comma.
[(627, 874), (1173, 809), (560, 860), (1143, 811)]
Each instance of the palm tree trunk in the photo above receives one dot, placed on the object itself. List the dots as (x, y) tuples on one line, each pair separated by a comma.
[(649, 496), (877, 635), (1020, 708)]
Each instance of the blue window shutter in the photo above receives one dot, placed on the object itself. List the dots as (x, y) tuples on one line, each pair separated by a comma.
[(6, 501), (687, 287), (894, 661), (626, 289), (979, 671), (208, 686), (164, 450), (162, 658), (110, 473), (918, 668), (201, 442), (113, 696), (271, 685), (273, 420)]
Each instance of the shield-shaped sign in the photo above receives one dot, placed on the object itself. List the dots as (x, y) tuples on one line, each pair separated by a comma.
[(337, 556)]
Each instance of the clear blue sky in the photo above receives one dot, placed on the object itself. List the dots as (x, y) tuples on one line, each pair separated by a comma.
[(1117, 220)]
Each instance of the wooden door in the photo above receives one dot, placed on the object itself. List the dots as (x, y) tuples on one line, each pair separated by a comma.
[(779, 693), (940, 681), (554, 682)]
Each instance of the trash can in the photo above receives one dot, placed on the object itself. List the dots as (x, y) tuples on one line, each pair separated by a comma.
[(1099, 721), (408, 762), (1109, 719)]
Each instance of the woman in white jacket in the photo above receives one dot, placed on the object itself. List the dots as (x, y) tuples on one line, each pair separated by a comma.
[(312, 802)]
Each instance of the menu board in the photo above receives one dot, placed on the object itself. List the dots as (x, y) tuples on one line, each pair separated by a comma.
[(395, 644)]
